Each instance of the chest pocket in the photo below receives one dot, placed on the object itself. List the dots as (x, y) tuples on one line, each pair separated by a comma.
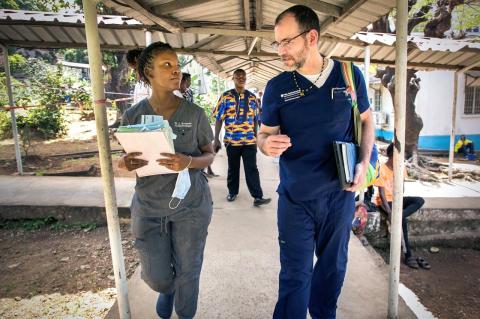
[(342, 105), (184, 135)]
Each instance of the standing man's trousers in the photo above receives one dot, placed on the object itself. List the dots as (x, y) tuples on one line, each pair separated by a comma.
[(249, 155), (322, 225)]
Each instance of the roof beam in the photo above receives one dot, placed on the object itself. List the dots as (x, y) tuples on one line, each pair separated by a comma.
[(170, 25), (32, 23), (176, 5), (258, 21), (215, 64), (351, 6), (238, 66), (228, 53), (321, 7), (232, 32), (410, 64), (246, 14), (252, 45), (204, 42), (258, 14)]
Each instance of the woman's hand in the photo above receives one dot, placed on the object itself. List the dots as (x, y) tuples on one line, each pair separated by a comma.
[(175, 162), (131, 162)]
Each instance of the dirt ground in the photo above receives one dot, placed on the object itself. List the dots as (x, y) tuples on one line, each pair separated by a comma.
[(44, 156), (47, 261), (70, 261), (451, 288)]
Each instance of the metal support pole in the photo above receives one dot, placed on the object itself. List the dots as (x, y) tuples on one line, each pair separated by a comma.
[(18, 154), (95, 62), (398, 155), (148, 38)]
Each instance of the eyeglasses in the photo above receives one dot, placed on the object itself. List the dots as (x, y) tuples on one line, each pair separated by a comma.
[(285, 42)]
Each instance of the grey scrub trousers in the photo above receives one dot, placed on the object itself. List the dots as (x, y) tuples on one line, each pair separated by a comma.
[(171, 241)]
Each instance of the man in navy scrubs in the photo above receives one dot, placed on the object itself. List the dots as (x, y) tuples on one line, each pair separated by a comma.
[(311, 109)]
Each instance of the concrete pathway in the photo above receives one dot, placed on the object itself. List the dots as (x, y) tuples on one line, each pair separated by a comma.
[(240, 273)]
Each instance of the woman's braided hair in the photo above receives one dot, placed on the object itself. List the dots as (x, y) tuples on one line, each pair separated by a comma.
[(146, 58)]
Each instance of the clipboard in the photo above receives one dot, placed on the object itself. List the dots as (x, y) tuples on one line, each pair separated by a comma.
[(150, 144)]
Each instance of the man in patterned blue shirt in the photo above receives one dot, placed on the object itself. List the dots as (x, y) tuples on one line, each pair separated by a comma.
[(238, 109)]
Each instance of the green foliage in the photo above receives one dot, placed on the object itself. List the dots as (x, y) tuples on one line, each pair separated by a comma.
[(5, 124), (37, 5), (45, 86), (17, 62), (43, 122), (74, 55), (27, 224), (205, 103), (467, 16), (47, 222)]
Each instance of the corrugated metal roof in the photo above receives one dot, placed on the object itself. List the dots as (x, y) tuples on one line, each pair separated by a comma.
[(223, 53)]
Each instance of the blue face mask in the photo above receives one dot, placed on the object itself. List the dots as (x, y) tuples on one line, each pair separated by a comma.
[(181, 187)]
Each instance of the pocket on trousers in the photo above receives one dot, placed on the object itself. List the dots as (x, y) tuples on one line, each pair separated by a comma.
[(141, 246)]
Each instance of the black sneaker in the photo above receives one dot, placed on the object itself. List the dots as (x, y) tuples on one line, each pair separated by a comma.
[(231, 197), (261, 201)]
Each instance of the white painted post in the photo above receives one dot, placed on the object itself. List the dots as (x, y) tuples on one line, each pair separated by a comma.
[(95, 62), (148, 38), (18, 154), (453, 125), (366, 75), (398, 155), (454, 115)]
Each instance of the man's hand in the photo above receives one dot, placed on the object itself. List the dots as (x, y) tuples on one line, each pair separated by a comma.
[(175, 162), (216, 145), (275, 145), (359, 179)]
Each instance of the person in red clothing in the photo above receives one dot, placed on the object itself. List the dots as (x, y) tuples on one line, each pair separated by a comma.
[(384, 200)]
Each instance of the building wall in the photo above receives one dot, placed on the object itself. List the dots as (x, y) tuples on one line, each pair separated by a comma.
[(434, 104)]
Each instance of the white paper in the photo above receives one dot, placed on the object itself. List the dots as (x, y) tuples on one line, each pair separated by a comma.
[(150, 144)]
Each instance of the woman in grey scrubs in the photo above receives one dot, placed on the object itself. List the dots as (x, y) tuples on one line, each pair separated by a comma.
[(170, 239)]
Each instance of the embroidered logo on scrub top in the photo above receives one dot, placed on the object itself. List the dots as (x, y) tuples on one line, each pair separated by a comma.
[(289, 96), (182, 124)]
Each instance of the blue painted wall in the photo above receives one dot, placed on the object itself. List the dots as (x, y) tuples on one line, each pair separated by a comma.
[(432, 142)]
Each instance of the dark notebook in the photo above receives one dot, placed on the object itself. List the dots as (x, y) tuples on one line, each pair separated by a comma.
[(346, 159)]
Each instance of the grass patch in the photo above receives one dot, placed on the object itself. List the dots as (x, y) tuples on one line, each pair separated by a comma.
[(44, 223)]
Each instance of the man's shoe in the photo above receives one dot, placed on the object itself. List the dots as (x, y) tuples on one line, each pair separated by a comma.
[(165, 305), (231, 197), (261, 201)]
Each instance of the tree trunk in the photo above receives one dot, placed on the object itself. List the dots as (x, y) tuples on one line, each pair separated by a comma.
[(119, 80), (413, 122), (442, 18)]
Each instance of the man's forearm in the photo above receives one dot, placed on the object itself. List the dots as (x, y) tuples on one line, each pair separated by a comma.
[(368, 138), (261, 137), (218, 128)]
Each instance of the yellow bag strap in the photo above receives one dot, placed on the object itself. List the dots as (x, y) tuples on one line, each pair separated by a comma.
[(348, 78)]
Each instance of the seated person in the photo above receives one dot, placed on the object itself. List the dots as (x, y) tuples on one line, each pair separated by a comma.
[(464, 146), (384, 200)]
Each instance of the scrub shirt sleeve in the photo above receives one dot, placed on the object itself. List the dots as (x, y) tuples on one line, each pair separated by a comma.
[(204, 130), (362, 96), (270, 116)]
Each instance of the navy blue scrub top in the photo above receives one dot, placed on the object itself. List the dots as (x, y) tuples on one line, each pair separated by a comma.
[(312, 122)]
